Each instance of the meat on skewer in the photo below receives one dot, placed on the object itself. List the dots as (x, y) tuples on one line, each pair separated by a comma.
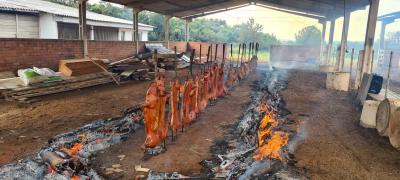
[(174, 114), (221, 91), (199, 91), (151, 116), (162, 129), (204, 98), (186, 102)]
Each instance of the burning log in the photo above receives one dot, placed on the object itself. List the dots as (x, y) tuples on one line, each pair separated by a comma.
[(259, 149)]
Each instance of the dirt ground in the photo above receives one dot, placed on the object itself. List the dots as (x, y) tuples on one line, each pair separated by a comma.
[(335, 145), (24, 128), (192, 146)]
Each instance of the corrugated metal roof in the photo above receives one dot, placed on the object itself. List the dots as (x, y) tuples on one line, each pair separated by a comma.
[(57, 9)]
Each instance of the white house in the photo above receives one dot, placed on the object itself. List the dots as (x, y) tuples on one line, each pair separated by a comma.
[(47, 20)]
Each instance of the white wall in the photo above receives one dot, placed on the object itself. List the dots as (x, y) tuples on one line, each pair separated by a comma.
[(47, 26), (144, 35)]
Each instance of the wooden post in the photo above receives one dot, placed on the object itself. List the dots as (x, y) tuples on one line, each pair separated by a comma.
[(223, 53), (175, 63), (244, 52), (211, 54), (351, 67), (216, 53), (82, 26), (191, 62), (240, 46), (388, 74), (200, 54), (208, 55), (249, 52), (231, 53), (155, 59)]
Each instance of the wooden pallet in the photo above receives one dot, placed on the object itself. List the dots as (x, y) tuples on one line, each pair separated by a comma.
[(36, 90)]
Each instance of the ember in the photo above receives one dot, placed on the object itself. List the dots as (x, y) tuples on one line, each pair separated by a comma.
[(67, 155)]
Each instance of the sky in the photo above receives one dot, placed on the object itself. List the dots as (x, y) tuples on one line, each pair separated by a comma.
[(285, 25)]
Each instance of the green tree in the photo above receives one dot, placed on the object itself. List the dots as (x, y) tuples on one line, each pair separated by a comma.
[(309, 36)]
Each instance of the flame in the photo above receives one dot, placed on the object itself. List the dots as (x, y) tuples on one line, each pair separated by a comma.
[(269, 142), (272, 147), (74, 149)]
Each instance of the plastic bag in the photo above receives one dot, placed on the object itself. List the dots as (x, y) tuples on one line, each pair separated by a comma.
[(29, 76), (45, 71)]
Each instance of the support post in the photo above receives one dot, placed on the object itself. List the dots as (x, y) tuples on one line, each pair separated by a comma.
[(343, 44), (135, 35), (166, 29), (91, 32), (82, 26), (187, 32), (382, 35), (370, 34), (331, 33), (321, 53)]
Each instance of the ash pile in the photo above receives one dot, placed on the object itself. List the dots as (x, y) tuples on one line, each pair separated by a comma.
[(259, 144), (68, 155)]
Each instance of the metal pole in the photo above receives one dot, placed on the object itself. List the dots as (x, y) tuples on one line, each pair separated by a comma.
[(351, 66), (231, 54), (191, 62), (208, 55), (176, 64), (200, 54), (155, 59), (216, 51), (223, 53), (240, 46), (388, 74)]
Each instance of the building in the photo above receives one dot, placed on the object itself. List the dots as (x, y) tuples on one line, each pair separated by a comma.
[(47, 20)]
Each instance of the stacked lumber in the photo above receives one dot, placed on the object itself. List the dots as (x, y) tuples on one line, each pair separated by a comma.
[(77, 67), (36, 90)]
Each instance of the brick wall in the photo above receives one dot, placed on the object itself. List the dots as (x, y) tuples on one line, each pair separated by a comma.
[(25, 53)]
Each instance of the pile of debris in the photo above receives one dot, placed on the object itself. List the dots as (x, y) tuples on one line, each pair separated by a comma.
[(67, 156), (258, 145)]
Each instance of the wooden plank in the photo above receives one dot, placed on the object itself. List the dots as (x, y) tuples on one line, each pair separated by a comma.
[(76, 67), (58, 89)]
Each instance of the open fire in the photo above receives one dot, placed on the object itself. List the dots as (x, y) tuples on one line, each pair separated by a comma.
[(259, 147)]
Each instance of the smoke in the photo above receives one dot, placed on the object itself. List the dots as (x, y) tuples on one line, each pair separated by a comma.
[(255, 169)]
